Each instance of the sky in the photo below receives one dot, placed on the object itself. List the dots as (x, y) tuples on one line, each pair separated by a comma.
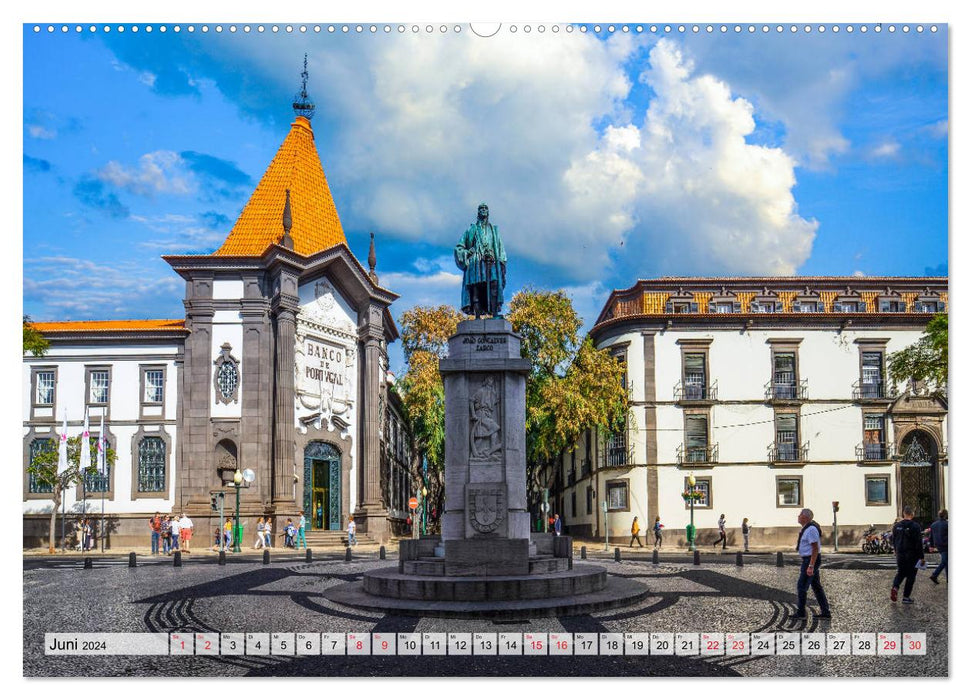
[(605, 157)]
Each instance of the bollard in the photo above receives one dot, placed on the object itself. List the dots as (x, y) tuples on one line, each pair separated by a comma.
[(778, 558), (88, 564), (738, 559), (347, 554), (616, 553), (177, 559), (583, 552), (382, 554), (266, 556), (655, 558), (310, 555), (697, 558), (222, 558), (131, 560)]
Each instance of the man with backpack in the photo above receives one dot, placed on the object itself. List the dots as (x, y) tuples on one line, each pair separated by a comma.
[(909, 546), (808, 547)]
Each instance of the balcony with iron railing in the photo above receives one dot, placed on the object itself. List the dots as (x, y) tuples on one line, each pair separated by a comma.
[(873, 391), (696, 392), (873, 452), (788, 453), (705, 454), (615, 451), (786, 390)]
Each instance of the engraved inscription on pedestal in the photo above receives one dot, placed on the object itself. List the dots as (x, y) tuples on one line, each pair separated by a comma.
[(486, 506), (485, 421)]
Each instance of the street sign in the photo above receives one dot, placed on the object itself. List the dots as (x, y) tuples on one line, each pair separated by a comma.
[(413, 503)]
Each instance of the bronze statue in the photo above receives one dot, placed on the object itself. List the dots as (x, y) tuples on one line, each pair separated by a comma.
[(481, 256)]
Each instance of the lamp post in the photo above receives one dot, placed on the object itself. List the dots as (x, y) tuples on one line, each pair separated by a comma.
[(237, 535), (691, 501), (424, 509)]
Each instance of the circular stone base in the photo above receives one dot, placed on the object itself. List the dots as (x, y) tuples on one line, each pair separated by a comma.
[(615, 592)]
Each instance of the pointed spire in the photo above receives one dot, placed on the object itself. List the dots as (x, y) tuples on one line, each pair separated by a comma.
[(287, 241), (303, 106), (372, 260)]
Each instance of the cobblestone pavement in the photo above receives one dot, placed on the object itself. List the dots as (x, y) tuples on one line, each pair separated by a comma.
[(285, 596)]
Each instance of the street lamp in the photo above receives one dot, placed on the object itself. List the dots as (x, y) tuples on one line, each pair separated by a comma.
[(691, 501), (237, 534), (424, 509)]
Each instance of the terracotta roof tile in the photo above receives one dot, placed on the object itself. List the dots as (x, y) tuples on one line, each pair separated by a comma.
[(296, 167), (151, 325)]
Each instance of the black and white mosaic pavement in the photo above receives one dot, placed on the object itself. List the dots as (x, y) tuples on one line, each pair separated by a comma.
[(285, 596)]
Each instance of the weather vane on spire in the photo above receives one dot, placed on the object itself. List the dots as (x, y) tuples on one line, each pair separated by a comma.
[(302, 105)]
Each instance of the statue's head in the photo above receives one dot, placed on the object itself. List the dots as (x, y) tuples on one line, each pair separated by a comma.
[(483, 212)]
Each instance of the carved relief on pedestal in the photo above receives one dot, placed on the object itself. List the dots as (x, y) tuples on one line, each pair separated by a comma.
[(486, 507), (485, 421)]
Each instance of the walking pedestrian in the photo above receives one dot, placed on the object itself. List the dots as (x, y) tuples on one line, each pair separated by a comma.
[(635, 529), (268, 532), (228, 533), (807, 545), (176, 532), (557, 525), (722, 537), (939, 540), (288, 532), (301, 531), (155, 525), (185, 532), (351, 532), (166, 535), (745, 531), (260, 540), (657, 531), (908, 544)]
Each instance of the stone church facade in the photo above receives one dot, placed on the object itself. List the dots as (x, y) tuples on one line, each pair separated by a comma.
[(279, 366)]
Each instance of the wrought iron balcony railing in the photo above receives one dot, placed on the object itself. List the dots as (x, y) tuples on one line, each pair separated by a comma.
[(788, 452), (696, 392), (786, 391), (872, 452), (707, 454), (615, 454), (873, 390)]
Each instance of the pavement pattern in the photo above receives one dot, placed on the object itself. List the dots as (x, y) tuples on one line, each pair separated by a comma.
[(285, 596)]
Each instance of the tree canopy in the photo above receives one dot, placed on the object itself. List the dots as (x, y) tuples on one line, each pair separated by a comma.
[(571, 387), (34, 342), (925, 362)]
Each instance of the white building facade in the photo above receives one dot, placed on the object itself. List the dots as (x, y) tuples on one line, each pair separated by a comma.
[(773, 394)]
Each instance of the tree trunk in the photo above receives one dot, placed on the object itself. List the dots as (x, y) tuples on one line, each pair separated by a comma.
[(57, 504)]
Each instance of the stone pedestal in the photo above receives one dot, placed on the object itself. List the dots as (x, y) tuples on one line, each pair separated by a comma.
[(485, 526)]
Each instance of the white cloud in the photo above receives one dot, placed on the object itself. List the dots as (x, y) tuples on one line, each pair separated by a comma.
[(156, 173), (38, 131), (887, 149), (938, 129)]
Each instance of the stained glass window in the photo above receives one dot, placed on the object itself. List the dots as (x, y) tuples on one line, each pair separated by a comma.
[(228, 379), (151, 464)]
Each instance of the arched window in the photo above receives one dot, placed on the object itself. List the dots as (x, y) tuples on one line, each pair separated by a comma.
[(36, 447), (151, 464), (97, 483)]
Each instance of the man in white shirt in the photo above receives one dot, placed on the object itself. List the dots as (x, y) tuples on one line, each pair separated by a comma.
[(185, 531), (808, 547), (351, 532)]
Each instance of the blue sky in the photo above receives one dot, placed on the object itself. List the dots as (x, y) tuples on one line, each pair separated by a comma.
[(603, 157)]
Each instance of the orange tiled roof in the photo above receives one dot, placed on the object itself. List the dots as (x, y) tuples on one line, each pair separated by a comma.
[(316, 226), (109, 326)]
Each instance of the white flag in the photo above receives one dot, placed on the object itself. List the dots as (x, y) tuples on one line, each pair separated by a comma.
[(62, 448), (85, 446), (102, 446)]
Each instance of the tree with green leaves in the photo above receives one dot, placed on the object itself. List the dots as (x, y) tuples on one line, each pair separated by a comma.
[(572, 387), (424, 335), (34, 342), (923, 364), (44, 469)]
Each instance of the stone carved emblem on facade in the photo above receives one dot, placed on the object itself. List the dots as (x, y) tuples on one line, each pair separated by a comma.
[(487, 507), (324, 294), (485, 431)]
